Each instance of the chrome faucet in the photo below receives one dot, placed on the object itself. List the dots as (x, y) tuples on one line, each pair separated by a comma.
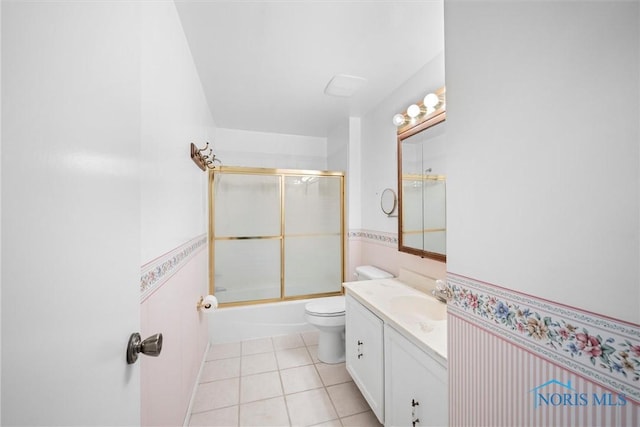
[(442, 292)]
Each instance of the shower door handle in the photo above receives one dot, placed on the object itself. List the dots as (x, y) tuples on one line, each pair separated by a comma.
[(152, 346)]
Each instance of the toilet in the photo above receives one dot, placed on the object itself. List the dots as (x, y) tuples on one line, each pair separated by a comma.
[(327, 315)]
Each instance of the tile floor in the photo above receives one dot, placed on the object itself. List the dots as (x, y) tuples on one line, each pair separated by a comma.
[(277, 381)]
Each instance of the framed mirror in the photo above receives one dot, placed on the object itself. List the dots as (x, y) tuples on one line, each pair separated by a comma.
[(422, 181)]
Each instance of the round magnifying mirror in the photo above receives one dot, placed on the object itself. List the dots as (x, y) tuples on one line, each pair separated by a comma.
[(388, 201)]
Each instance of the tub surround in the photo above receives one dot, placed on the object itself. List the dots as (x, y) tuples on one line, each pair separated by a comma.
[(246, 322)]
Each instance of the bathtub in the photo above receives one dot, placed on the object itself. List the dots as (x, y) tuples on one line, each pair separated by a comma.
[(232, 324)]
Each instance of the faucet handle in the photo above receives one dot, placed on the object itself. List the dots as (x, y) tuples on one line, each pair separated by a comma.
[(442, 290)]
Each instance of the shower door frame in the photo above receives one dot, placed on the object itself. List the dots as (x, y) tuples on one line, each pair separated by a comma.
[(281, 173)]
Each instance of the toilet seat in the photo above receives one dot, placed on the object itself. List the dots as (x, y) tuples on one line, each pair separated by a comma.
[(326, 307)]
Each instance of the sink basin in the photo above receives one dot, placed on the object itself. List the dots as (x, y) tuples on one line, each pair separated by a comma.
[(418, 307)]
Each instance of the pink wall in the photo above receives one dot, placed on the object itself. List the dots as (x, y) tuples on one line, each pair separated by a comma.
[(381, 249), (504, 348), (171, 287)]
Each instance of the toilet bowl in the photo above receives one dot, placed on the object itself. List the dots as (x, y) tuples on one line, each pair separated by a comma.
[(328, 316)]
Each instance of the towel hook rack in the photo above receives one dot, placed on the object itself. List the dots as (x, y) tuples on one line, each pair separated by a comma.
[(204, 161)]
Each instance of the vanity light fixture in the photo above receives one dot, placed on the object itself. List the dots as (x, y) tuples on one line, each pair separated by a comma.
[(431, 100), (420, 111), (414, 111), (399, 120)]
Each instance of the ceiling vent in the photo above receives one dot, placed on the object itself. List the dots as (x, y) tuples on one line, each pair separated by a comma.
[(344, 86)]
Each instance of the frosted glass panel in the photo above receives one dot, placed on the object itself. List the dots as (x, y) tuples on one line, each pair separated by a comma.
[(246, 205), (412, 157), (266, 219), (412, 214), (247, 270), (436, 241), (414, 240), (312, 204), (313, 265), (434, 204)]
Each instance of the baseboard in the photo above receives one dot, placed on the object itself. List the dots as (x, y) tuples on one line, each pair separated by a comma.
[(187, 417)]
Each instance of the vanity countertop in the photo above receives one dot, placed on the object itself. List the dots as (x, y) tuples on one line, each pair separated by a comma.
[(417, 316)]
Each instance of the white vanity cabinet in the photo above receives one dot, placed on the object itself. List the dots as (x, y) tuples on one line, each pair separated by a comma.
[(415, 384), (364, 348)]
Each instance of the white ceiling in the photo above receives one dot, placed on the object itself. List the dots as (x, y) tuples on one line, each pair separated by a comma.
[(264, 65)]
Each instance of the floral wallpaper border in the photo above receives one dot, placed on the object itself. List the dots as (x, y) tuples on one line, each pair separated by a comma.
[(377, 236), (598, 348), (156, 272)]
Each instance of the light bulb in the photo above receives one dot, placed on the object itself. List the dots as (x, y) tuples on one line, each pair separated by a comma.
[(431, 100), (398, 119), (413, 111)]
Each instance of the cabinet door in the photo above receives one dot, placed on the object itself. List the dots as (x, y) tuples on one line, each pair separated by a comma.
[(365, 353), (415, 384)]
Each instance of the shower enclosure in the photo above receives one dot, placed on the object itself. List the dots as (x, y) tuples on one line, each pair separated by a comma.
[(275, 234)]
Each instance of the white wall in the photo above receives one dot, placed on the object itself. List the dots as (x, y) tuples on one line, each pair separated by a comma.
[(354, 174), (338, 148), (373, 167), (379, 143), (237, 147), (543, 134), (174, 114)]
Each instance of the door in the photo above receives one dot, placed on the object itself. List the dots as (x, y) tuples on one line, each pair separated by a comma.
[(70, 212), (277, 233), (416, 392), (364, 353)]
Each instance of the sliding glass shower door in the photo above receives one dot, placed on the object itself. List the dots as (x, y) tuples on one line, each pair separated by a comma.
[(312, 234), (247, 227), (275, 234)]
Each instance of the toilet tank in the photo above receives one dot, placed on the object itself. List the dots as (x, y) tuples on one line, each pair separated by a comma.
[(369, 272)]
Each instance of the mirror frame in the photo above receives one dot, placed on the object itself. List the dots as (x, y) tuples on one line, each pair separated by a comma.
[(404, 132)]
